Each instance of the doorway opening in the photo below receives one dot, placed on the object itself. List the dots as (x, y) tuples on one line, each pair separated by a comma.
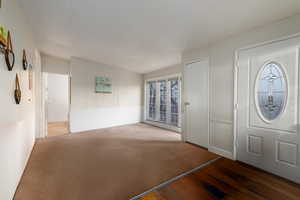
[(57, 103)]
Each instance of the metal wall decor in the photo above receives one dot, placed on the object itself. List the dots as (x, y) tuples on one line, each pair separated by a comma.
[(18, 93), (30, 77), (3, 36), (24, 60), (8, 53)]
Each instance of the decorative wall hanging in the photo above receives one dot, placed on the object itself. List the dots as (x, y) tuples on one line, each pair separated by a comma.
[(103, 85), (24, 60), (17, 91), (8, 53), (3, 36), (30, 77)]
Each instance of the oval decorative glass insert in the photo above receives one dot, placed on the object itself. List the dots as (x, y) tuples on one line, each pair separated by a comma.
[(271, 91)]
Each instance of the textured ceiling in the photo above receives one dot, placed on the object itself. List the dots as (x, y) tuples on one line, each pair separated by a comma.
[(144, 35)]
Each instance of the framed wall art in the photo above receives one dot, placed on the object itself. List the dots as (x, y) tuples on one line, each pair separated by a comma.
[(103, 85)]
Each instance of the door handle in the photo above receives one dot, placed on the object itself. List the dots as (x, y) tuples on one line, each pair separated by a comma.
[(187, 103)]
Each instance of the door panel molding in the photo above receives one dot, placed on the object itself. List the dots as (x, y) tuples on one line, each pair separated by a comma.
[(236, 59), (222, 121), (255, 145), (272, 146), (219, 131), (283, 157), (219, 151)]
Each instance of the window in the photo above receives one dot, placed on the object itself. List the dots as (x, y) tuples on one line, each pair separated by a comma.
[(152, 99), (174, 101), (163, 101), (271, 91)]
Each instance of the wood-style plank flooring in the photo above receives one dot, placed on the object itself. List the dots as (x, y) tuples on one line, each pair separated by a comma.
[(58, 128), (226, 179)]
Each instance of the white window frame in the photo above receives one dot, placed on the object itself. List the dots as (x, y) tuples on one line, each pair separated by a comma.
[(166, 125)]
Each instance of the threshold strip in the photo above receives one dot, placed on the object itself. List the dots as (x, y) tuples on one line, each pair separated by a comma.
[(174, 179)]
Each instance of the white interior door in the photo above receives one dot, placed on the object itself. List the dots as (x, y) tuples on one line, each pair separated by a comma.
[(268, 108), (196, 78), (57, 98)]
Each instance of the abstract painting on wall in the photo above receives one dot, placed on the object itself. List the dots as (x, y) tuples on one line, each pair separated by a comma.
[(103, 85)]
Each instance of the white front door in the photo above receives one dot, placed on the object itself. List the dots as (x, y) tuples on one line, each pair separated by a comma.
[(268, 108), (196, 77)]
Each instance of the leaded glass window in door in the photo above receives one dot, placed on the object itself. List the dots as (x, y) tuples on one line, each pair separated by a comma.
[(271, 91)]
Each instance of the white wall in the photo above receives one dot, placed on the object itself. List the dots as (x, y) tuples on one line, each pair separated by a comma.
[(17, 122), (221, 77), (90, 110), (174, 69), (57, 98), (55, 65)]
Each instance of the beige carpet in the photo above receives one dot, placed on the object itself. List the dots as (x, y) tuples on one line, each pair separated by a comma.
[(108, 164)]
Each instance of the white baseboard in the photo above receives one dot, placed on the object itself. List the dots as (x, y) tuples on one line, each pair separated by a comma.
[(98, 118), (116, 125), (221, 152)]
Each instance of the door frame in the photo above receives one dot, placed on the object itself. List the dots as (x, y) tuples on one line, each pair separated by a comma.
[(184, 118), (158, 124), (44, 121), (235, 82)]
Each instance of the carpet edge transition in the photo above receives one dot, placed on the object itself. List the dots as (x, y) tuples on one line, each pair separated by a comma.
[(174, 179)]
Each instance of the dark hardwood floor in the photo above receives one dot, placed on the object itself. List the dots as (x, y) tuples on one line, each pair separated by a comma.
[(226, 179)]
